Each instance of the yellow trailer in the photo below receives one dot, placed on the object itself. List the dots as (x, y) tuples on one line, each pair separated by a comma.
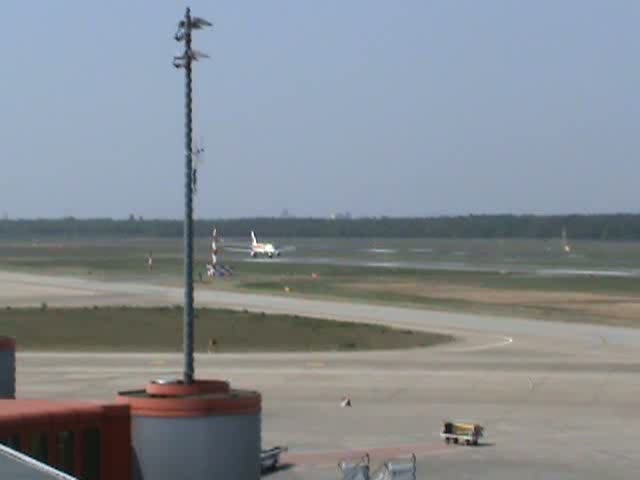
[(456, 432)]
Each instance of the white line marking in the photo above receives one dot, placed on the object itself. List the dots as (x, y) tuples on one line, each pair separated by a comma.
[(505, 341)]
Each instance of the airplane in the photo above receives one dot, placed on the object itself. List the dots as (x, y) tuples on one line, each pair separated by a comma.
[(262, 248), (257, 248)]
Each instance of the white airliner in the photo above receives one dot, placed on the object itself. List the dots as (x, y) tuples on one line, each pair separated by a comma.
[(255, 249), (262, 248)]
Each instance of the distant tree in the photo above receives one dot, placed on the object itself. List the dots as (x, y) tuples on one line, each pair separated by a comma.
[(610, 227)]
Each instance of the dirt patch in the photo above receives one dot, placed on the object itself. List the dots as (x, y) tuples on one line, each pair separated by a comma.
[(592, 304)]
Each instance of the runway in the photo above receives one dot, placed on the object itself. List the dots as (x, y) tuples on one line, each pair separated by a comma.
[(557, 400)]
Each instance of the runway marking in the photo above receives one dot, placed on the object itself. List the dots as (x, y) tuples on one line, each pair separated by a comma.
[(504, 342)]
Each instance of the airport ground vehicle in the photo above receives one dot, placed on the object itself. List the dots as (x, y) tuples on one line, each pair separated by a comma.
[(467, 433), (269, 459)]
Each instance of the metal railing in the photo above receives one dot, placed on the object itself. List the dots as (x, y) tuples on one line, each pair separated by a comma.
[(401, 468), (355, 470)]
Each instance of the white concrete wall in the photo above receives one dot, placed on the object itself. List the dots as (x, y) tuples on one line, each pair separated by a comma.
[(199, 448), (7, 374)]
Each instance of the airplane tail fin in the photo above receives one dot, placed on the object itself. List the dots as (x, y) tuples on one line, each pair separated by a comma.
[(254, 240)]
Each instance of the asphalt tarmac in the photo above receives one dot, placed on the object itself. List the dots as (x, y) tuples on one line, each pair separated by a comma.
[(558, 400)]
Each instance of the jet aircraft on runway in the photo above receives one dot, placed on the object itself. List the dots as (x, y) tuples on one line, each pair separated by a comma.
[(256, 248)]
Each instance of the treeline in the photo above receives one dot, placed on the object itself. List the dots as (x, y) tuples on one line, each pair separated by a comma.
[(596, 227)]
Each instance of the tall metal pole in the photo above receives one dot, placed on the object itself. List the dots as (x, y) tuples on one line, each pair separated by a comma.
[(185, 28), (188, 324)]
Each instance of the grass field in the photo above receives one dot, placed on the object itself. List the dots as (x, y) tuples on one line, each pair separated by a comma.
[(567, 306), (160, 329), (506, 280)]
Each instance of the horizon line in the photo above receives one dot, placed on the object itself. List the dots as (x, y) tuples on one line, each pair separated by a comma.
[(294, 217)]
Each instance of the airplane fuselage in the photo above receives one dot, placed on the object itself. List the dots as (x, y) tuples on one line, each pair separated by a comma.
[(266, 249)]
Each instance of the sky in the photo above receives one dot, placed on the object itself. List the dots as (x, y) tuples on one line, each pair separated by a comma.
[(412, 108)]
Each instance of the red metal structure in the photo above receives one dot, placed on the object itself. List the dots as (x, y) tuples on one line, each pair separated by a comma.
[(88, 440)]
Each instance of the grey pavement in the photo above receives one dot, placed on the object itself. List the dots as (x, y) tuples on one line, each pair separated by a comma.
[(557, 400)]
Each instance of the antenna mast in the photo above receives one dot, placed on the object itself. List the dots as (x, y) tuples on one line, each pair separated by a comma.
[(185, 29)]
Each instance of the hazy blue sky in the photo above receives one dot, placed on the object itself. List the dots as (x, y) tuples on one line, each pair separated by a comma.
[(377, 107)]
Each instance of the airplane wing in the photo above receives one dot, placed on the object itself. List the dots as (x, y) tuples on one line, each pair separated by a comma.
[(287, 248)]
